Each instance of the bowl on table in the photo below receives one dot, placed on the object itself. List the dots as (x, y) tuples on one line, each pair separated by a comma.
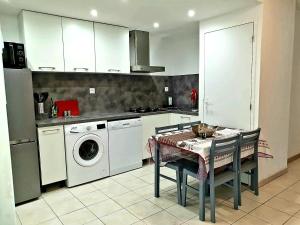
[(203, 130)]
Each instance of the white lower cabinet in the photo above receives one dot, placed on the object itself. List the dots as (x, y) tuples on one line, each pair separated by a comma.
[(176, 118), (149, 125), (52, 154)]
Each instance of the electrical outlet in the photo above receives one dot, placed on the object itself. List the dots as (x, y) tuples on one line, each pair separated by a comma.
[(92, 91), (166, 89)]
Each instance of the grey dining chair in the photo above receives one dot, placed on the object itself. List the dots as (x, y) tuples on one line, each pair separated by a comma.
[(188, 125), (219, 147), (249, 166), (175, 165)]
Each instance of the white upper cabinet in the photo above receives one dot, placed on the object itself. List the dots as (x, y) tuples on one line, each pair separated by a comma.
[(42, 36), (112, 49), (79, 49)]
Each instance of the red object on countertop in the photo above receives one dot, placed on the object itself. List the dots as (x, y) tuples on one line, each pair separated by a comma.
[(194, 95), (67, 105)]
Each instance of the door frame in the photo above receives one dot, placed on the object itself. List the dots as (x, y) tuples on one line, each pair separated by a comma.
[(238, 18)]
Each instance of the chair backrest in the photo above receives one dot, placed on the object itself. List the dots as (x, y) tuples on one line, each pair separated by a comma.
[(161, 130), (250, 139), (188, 125), (224, 146)]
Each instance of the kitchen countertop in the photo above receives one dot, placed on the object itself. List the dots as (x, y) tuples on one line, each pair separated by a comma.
[(97, 116)]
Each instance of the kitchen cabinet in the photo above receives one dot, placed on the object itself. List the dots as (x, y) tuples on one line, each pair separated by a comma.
[(176, 118), (149, 125), (79, 49), (42, 36), (111, 49), (52, 154)]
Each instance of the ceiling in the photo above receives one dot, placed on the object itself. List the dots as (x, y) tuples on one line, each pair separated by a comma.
[(136, 14)]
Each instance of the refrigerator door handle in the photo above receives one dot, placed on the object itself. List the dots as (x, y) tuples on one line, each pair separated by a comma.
[(21, 141)]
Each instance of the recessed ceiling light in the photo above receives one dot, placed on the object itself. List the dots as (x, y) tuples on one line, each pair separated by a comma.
[(156, 25), (191, 13), (94, 13)]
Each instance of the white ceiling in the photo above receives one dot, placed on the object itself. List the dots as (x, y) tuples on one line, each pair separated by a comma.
[(136, 14)]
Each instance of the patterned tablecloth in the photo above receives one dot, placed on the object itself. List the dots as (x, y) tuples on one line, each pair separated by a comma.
[(184, 144)]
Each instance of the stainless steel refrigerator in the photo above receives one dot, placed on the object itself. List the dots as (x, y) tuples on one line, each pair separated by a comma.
[(22, 134)]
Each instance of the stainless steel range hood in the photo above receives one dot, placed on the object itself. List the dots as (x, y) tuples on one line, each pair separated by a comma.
[(140, 53)]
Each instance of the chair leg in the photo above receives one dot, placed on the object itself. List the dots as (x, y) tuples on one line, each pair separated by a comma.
[(202, 187), (252, 186), (178, 181), (255, 175), (184, 189), (212, 203), (239, 190), (236, 190)]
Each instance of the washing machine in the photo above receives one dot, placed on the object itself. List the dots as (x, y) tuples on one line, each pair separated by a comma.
[(86, 152)]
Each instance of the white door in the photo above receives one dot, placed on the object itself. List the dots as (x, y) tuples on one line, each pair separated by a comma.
[(228, 75), (112, 49), (79, 50), (43, 41)]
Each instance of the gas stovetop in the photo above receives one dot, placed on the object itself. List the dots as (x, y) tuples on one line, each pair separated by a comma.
[(146, 109)]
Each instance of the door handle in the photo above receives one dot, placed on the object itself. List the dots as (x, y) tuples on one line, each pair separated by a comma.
[(48, 68), (53, 131), (81, 68), (113, 70)]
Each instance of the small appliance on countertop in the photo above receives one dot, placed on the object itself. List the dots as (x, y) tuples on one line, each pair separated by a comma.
[(40, 99), (14, 55), (67, 108)]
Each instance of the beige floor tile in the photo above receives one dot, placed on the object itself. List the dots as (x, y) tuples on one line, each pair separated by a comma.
[(18, 222), (228, 214), (104, 183), (140, 223), (247, 204), (120, 217), (166, 185), (251, 220), (164, 201), (223, 193), (63, 202), (181, 213), (143, 171), (148, 178), (92, 197), (273, 188), (123, 177), (286, 180), (134, 184), (295, 187), (162, 218), (261, 198), (115, 190), (94, 222), (283, 205), (34, 212), (196, 221), (145, 192), (55, 221), (270, 215), (82, 189), (143, 209), (128, 199), (297, 214), (78, 217), (290, 196), (293, 221), (104, 208)]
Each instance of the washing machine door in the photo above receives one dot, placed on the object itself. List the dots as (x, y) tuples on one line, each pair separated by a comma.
[(88, 150)]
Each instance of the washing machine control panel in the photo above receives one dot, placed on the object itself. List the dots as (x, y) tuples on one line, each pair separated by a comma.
[(85, 127)]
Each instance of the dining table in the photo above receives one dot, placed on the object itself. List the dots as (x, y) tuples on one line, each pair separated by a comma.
[(173, 145)]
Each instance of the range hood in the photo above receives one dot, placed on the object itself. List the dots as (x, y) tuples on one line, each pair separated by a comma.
[(140, 53)]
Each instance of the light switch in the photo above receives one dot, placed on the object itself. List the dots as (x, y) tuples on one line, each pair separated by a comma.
[(166, 89), (92, 91)]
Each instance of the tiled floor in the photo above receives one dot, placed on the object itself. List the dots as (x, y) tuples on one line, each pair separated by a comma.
[(128, 199)]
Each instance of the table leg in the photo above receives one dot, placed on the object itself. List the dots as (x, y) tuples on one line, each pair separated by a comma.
[(156, 171)]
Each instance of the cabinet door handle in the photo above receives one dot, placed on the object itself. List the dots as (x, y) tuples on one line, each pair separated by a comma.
[(48, 68), (114, 70), (81, 68), (53, 131), (185, 117)]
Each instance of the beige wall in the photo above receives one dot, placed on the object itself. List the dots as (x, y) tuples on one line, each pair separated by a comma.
[(275, 83), (294, 138)]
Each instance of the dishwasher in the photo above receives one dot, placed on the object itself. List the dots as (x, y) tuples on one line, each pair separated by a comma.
[(125, 145)]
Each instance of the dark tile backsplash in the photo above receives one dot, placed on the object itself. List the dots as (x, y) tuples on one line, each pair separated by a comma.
[(115, 92)]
